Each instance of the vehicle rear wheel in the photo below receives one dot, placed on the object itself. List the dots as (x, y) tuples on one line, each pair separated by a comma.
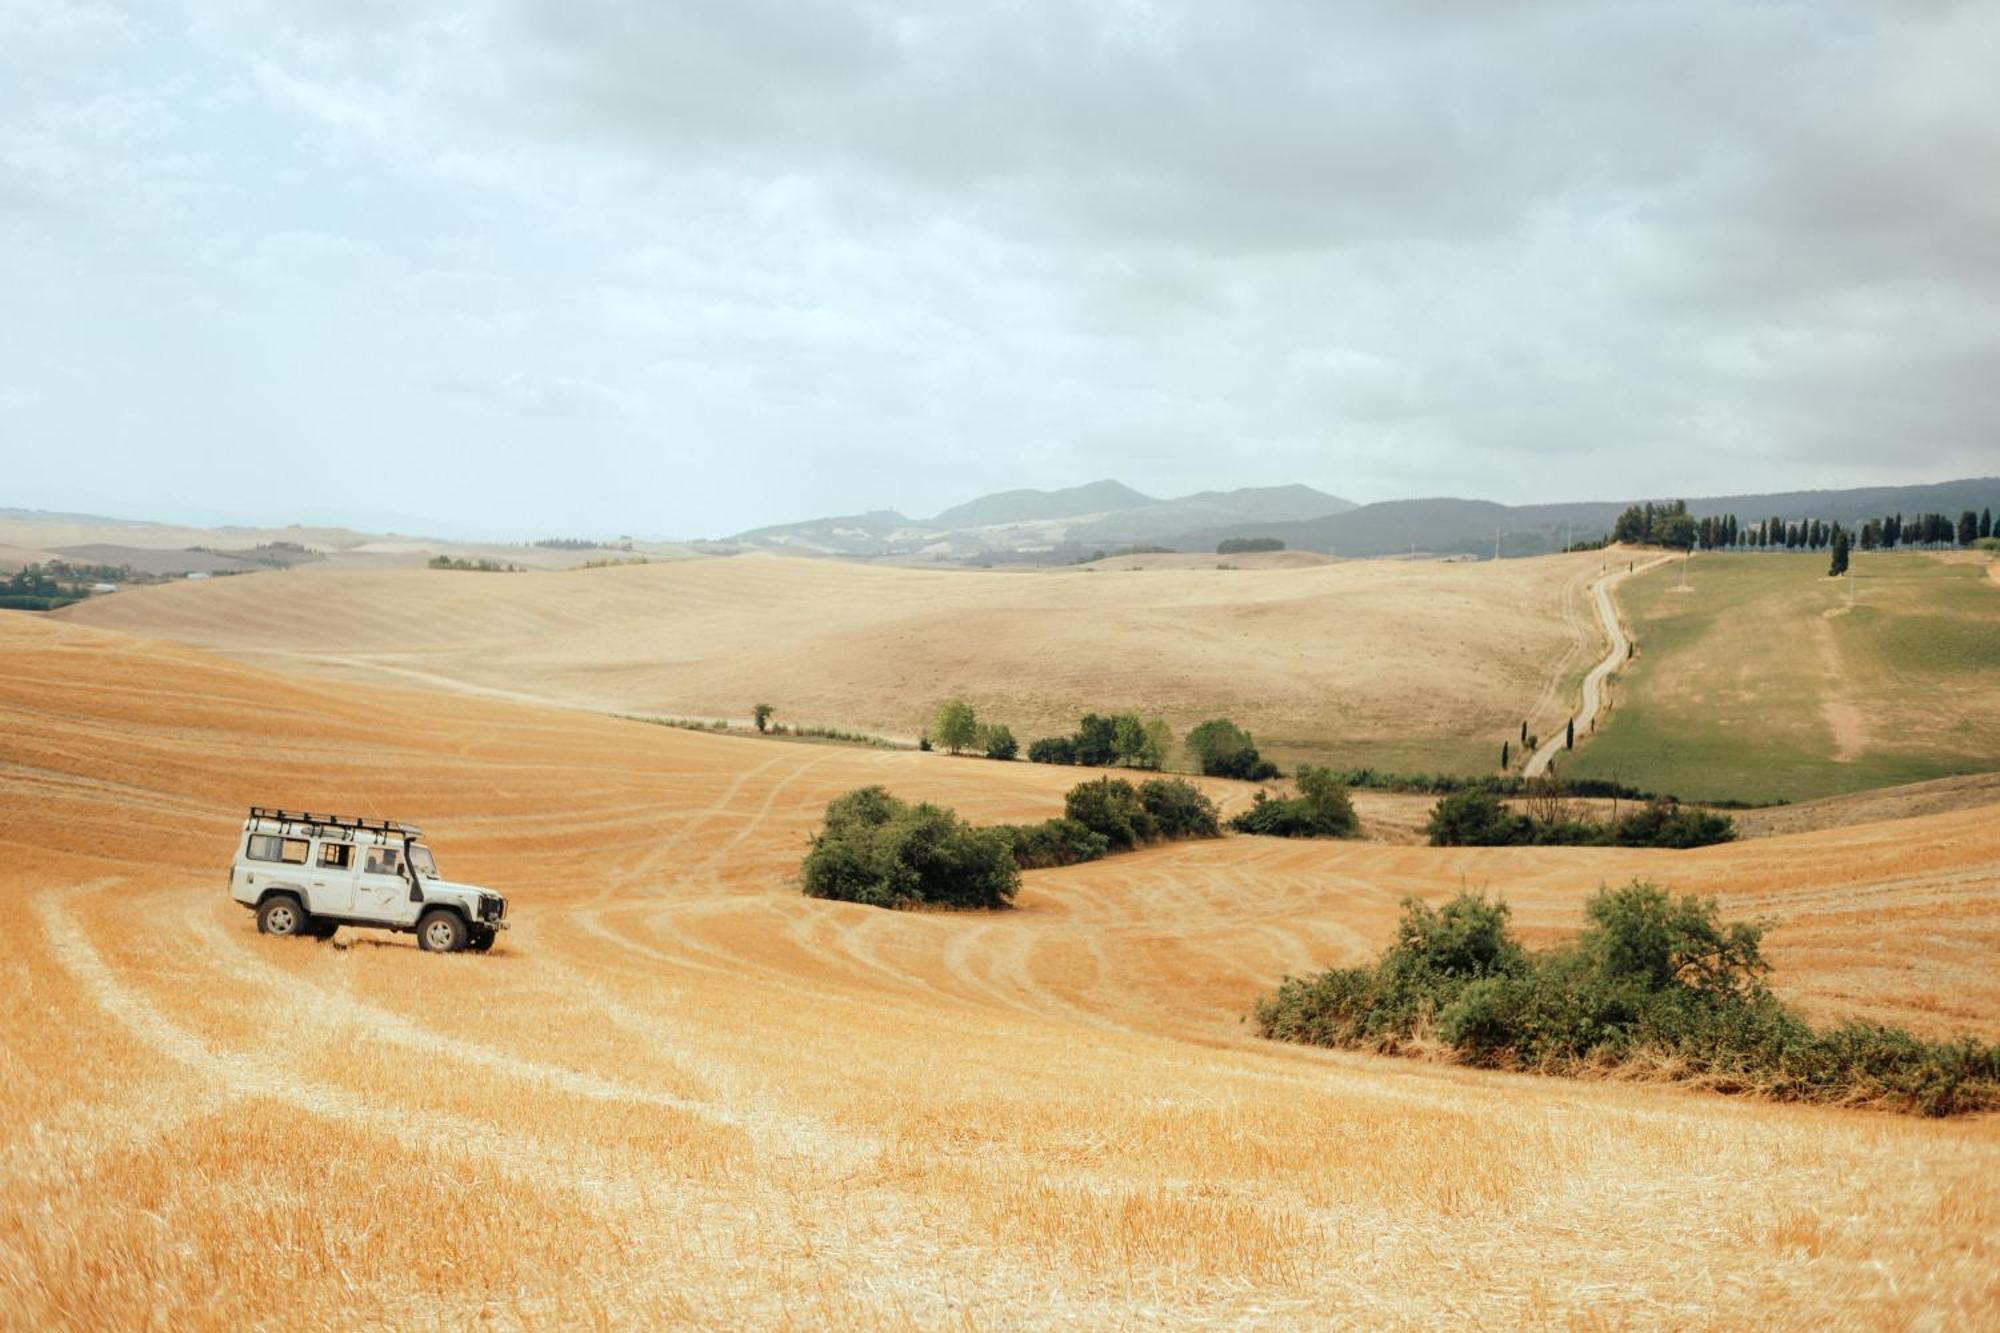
[(442, 932), (482, 940), (281, 915), (321, 929)]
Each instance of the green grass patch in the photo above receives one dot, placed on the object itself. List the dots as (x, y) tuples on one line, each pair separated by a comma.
[(1767, 681)]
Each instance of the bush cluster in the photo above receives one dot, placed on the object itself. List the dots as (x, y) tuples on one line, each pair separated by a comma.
[(1477, 817), (1245, 545), (1111, 815), (885, 852), (1159, 810), (878, 850), (1652, 982), (1322, 809), (1101, 741), (1224, 750)]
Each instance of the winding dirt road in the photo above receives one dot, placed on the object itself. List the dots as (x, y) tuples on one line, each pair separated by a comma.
[(1593, 683)]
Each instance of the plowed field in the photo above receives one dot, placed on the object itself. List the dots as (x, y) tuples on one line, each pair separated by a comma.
[(679, 1092)]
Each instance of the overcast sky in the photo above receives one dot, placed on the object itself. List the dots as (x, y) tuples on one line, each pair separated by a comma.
[(681, 268)]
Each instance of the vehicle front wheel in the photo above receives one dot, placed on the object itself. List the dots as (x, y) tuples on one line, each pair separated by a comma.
[(482, 940), (281, 916), (442, 932)]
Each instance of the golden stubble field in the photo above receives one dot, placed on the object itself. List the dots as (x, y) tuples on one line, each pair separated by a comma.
[(680, 1093), (1402, 665)]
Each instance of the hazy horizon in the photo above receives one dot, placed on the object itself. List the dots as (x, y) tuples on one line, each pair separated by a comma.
[(197, 519), (686, 270)]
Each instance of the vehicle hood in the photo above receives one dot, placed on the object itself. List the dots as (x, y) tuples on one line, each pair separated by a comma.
[(455, 886)]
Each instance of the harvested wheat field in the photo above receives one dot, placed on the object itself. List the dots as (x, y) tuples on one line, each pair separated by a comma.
[(1405, 666), (680, 1093)]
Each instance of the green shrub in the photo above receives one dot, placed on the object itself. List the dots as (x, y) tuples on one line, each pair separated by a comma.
[(1661, 823), (998, 742), (1111, 807), (1224, 750), (1475, 817), (1322, 809), (1052, 750), (1155, 811), (1650, 977), (1179, 809), (1245, 545), (1055, 842), (878, 850)]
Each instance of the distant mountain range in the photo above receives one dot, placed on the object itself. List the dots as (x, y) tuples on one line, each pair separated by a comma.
[(1049, 523), (1104, 515)]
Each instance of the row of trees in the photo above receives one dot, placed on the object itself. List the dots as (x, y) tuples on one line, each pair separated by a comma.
[(1099, 741), (1672, 526)]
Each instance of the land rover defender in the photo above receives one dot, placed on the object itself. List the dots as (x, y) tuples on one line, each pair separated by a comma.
[(308, 875)]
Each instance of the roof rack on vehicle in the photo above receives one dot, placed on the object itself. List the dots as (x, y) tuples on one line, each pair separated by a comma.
[(333, 821)]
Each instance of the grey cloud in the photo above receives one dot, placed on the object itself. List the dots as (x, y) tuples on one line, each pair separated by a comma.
[(754, 261)]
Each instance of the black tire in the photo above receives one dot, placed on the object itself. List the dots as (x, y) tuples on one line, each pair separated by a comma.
[(442, 932), (482, 940), (321, 929), (282, 915)]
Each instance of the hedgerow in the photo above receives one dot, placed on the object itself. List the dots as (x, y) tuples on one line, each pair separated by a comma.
[(1477, 817), (1652, 985), (1322, 809)]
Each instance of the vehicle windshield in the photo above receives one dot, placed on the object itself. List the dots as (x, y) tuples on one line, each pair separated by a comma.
[(421, 858)]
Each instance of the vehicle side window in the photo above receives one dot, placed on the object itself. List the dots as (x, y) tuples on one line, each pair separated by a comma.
[(336, 855), (384, 861), (271, 847)]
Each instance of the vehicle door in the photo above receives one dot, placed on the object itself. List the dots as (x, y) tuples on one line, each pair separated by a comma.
[(381, 890), (333, 868)]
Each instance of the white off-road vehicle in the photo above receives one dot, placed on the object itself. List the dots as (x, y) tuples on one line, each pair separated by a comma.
[(309, 875)]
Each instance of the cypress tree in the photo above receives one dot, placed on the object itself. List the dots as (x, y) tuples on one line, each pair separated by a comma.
[(1569, 740), (1986, 522), (1838, 565), (1504, 752), (1524, 732)]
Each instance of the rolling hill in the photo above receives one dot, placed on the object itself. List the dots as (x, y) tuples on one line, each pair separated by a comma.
[(679, 1093), (1399, 665)]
